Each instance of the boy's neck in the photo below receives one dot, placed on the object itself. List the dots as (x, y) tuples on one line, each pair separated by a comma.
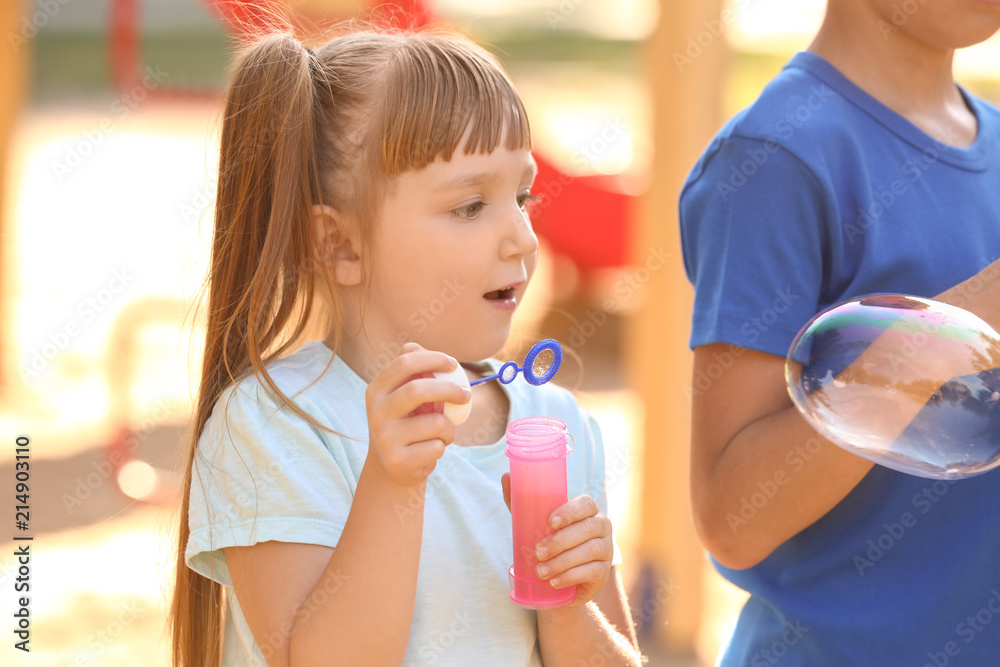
[(910, 77)]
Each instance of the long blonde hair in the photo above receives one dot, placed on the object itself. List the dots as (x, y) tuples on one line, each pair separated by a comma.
[(301, 128)]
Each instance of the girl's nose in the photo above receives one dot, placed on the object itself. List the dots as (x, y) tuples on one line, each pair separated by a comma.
[(519, 239)]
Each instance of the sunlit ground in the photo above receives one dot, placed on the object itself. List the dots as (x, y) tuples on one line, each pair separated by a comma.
[(97, 598)]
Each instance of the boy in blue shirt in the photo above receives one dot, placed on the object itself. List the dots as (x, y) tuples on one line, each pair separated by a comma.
[(861, 168)]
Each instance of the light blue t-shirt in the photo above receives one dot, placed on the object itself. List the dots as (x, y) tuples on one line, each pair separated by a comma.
[(266, 474), (814, 194)]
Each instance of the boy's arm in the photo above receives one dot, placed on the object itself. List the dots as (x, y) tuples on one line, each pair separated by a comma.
[(980, 295), (747, 436)]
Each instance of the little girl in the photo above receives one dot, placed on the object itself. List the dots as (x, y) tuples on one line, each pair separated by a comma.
[(330, 516)]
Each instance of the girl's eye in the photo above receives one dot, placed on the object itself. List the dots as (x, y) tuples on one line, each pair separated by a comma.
[(525, 200), (469, 211)]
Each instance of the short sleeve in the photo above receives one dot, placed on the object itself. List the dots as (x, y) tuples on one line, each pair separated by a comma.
[(263, 473), (752, 218), (591, 456)]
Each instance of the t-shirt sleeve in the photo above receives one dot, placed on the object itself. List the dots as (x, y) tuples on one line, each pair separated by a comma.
[(590, 455), (752, 224), (261, 473)]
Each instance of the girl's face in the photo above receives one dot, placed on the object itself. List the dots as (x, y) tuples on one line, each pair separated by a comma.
[(452, 255)]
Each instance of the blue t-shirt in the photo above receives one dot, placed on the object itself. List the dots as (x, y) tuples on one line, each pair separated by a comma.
[(814, 194)]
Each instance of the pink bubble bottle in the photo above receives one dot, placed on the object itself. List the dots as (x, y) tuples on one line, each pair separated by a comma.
[(537, 448)]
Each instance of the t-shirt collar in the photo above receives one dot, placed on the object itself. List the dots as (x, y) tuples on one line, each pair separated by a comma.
[(977, 157)]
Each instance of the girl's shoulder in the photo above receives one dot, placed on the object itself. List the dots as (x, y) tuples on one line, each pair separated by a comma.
[(317, 382), (295, 373)]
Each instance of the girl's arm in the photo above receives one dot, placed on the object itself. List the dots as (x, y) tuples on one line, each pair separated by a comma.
[(306, 604), (748, 439), (599, 632)]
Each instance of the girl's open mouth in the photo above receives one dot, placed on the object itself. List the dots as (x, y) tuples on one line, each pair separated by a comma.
[(500, 294)]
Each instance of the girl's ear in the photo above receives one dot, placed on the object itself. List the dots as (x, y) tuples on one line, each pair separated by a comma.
[(336, 247)]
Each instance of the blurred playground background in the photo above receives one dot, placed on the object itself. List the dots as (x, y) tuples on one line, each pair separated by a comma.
[(108, 136)]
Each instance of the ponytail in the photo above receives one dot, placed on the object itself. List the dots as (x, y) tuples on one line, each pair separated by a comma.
[(260, 265)]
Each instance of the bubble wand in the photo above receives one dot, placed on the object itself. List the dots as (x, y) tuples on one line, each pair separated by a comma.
[(540, 365)]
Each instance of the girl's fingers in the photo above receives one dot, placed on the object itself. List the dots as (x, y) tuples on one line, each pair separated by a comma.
[(406, 442), (416, 459), (505, 488), (426, 453), (577, 509), (597, 551), (414, 360), (407, 385), (416, 392), (593, 527), (588, 573), (405, 433)]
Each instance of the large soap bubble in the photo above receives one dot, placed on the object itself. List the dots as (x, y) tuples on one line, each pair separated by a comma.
[(907, 382)]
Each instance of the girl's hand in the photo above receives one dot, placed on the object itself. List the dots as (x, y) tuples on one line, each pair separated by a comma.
[(406, 439), (579, 551)]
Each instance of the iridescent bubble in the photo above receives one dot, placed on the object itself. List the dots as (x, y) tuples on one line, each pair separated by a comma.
[(907, 382)]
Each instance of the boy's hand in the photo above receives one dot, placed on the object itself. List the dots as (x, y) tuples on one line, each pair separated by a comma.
[(579, 551), (405, 439)]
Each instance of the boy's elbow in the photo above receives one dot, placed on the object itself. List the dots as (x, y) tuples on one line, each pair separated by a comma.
[(731, 539)]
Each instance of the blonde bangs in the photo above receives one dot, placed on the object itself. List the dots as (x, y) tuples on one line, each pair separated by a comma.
[(439, 91)]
